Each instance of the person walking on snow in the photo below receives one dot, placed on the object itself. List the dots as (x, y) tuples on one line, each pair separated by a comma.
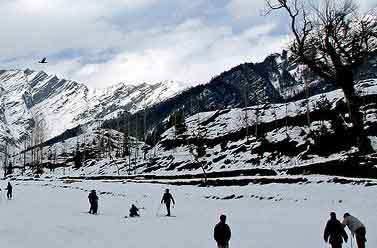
[(9, 191), (134, 211), (167, 198), (93, 201), (335, 231), (222, 233), (356, 227)]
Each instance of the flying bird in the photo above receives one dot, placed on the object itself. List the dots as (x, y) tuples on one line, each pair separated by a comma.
[(43, 61)]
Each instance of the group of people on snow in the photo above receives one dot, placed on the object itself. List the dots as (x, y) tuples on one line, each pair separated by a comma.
[(222, 232), (335, 234), (167, 198)]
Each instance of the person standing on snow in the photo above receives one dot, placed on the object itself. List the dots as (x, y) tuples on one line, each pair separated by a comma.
[(93, 201), (222, 233), (335, 231), (9, 191), (134, 211), (356, 227), (167, 198)]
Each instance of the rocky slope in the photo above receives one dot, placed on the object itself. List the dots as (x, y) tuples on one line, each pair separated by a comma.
[(27, 97), (275, 139)]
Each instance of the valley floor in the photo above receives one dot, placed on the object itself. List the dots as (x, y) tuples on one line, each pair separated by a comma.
[(53, 213)]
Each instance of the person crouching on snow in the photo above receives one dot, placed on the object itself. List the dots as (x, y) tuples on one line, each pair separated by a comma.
[(134, 211), (93, 201), (356, 227)]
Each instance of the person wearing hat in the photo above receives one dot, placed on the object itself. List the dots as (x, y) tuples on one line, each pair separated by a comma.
[(356, 227), (222, 233), (93, 201), (334, 232)]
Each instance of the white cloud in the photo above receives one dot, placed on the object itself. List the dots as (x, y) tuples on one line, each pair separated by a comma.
[(367, 5), (250, 8), (191, 52), (45, 26), (246, 8)]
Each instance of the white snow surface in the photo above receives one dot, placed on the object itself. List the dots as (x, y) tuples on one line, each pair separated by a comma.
[(52, 213)]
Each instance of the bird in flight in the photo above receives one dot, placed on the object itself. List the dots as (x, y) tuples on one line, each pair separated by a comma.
[(43, 61)]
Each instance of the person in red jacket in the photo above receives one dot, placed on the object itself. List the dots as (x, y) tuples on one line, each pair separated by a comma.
[(222, 233), (335, 231)]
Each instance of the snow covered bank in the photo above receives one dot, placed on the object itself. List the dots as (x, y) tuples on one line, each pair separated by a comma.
[(53, 214)]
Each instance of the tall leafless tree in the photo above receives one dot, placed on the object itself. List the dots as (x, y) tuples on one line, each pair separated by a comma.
[(333, 39), (38, 134)]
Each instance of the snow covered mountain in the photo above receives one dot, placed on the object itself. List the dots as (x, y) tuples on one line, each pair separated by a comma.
[(276, 139), (29, 96), (277, 79)]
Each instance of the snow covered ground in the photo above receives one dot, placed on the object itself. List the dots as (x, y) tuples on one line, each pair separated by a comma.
[(52, 213)]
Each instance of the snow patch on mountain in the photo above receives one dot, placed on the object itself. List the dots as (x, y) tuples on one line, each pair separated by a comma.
[(27, 96)]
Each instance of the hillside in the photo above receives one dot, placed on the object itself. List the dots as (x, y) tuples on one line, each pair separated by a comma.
[(272, 139), (277, 79), (27, 97), (273, 133)]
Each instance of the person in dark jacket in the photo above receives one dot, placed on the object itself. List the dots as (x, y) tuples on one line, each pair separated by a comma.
[(222, 233), (134, 211), (9, 191), (93, 201), (167, 198), (334, 232)]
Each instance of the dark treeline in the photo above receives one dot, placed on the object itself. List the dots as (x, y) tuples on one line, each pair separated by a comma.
[(67, 134)]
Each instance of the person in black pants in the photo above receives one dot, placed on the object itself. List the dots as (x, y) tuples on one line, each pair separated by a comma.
[(334, 232), (9, 191), (167, 198), (222, 233), (93, 201), (134, 211), (356, 227)]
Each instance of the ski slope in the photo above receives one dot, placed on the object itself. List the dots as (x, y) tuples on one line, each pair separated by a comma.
[(52, 213)]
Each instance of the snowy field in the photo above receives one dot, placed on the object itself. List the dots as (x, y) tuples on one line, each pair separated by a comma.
[(54, 214)]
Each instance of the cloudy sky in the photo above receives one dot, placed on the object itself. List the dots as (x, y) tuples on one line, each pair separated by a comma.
[(104, 42)]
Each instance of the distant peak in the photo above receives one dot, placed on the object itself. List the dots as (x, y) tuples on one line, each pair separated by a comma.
[(28, 71)]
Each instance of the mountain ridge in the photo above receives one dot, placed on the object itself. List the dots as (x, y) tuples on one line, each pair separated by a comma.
[(28, 95)]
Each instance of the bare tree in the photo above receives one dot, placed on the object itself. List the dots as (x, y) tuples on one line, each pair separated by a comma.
[(198, 147), (38, 134), (246, 115), (307, 95), (332, 40)]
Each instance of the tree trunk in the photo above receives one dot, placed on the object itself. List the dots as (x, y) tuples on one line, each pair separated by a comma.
[(356, 116)]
